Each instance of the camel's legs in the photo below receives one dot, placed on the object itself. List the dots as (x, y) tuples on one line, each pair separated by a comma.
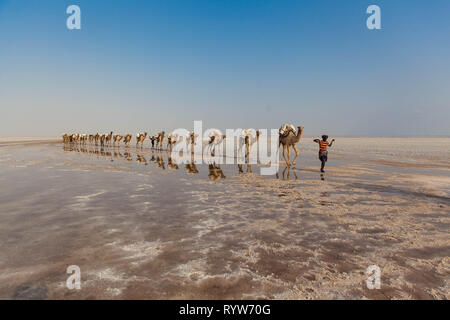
[(296, 154), (284, 155), (289, 155), (284, 173), (295, 174)]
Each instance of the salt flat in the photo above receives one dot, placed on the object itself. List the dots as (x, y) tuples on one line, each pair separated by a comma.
[(141, 226)]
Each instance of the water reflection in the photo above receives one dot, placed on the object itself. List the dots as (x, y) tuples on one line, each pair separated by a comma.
[(249, 168), (191, 167), (171, 164), (215, 172), (163, 160), (286, 175), (141, 159), (159, 161), (128, 156)]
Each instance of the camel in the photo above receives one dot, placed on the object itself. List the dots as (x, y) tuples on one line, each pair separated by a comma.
[(91, 138), (109, 138), (117, 138), (215, 139), (102, 140), (96, 138), (140, 137), (127, 139), (172, 140), (83, 138), (65, 138), (191, 138), (159, 139), (289, 138), (248, 138), (74, 137), (156, 136)]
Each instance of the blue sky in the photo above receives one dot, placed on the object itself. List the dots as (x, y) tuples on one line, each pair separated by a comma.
[(151, 65)]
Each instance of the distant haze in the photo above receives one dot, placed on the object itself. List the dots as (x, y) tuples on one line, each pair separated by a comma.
[(152, 65)]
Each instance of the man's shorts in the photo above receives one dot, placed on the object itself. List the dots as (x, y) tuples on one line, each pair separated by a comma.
[(323, 156)]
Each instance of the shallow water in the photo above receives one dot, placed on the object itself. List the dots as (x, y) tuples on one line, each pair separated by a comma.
[(140, 226)]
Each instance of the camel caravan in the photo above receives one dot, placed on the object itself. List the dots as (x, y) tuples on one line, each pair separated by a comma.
[(288, 137)]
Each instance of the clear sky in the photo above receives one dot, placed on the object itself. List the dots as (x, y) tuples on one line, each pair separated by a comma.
[(151, 65)]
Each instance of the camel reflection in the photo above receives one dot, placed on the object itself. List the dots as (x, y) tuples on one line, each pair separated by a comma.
[(241, 170), (171, 164), (159, 161), (141, 159), (215, 172), (191, 167), (287, 174), (162, 160), (128, 156)]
